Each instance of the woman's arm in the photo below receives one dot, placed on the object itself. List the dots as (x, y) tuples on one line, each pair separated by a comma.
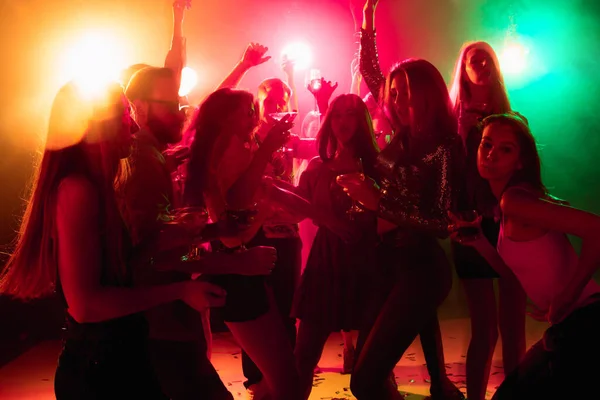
[(288, 70), (80, 265), (369, 60), (253, 56), (525, 207), (176, 57), (356, 77)]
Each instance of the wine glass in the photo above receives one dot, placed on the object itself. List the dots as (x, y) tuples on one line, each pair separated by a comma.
[(468, 231), (355, 208), (279, 115), (313, 79)]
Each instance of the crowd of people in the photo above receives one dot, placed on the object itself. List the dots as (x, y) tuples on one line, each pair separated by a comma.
[(145, 214)]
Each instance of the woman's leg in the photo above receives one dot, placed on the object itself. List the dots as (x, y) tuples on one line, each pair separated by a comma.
[(309, 347), (511, 319), (348, 355), (484, 335), (433, 350), (266, 342), (400, 320)]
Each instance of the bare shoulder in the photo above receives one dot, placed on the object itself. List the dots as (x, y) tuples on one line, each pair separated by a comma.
[(76, 192), (314, 164)]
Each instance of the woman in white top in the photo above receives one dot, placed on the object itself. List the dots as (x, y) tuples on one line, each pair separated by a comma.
[(533, 247)]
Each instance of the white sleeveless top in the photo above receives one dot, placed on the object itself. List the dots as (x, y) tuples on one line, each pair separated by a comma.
[(543, 266)]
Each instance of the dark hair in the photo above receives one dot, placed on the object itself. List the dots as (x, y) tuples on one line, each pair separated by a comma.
[(430, 102), (531, 169), (363, 140), (78, 143), (207, 128), (142, 82)]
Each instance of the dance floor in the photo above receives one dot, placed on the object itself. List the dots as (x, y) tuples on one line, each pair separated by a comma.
[(30, 376)]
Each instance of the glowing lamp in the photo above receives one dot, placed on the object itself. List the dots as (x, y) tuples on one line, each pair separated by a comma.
[(189, 79), (299, 53), (513, 59), (94, 60)]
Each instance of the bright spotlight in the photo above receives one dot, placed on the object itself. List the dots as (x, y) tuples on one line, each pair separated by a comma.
[(300, 53), (92, 61), (513, 59), (189, 79)]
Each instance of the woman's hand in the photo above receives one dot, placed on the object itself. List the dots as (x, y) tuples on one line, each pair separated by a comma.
[(370, 6), (179, 7), (202, 295), (322, 93), (465, 228), (360, 188), (278, 132), (175, 156), (255, 55)]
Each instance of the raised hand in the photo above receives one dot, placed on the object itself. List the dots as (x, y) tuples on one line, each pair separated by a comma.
[(179, 7), (323, 93), (287, 66), (370, 6), (255, 55)]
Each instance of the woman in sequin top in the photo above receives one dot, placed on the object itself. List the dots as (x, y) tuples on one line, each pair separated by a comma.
[(418, 169), (477, 91)]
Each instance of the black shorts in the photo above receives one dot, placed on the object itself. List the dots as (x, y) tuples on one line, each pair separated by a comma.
[(247, 297), (468, 262)]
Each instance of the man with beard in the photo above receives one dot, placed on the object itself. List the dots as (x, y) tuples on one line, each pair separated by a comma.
[(177, 343)]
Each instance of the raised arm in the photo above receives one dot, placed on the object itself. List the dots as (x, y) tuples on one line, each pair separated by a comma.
[(369, 60), (176, 57), (253, 56), (356, 76), (288, 69)]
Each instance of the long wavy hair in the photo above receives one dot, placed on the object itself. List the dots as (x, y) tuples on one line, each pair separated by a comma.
[(432, 118), (80, 142), (208, 125), (531, 166), (363, 141), (459, 90)]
